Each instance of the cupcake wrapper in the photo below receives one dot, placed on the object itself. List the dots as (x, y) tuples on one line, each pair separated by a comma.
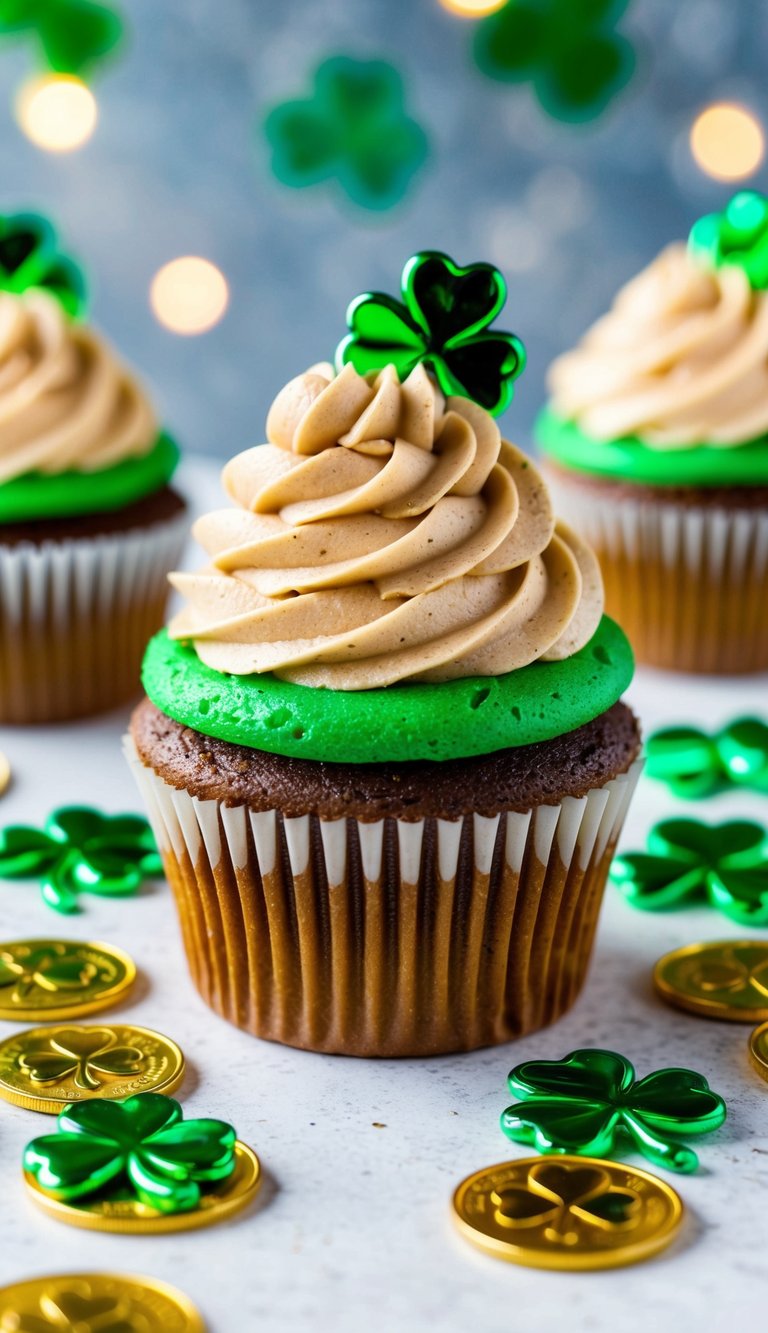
[(75, 618), (688, 585), (387, 938)]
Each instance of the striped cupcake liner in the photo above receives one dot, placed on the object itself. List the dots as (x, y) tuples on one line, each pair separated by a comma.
[(388, 938)]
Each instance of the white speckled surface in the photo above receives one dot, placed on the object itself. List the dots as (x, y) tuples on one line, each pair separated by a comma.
[(353, 1227)]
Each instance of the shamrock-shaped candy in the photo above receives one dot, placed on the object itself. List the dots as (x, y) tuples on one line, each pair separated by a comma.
[(568, 49), (352, 129), (72, 35), (688, 861), (442, 322), (30, 258), (80, 851), (69, 1311), (83, 1054), (589, 1103), (142, 1144), (557, 1196), (739, 235), (693, 763)]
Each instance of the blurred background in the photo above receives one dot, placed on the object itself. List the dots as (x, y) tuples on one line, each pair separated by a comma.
[(166, 149)]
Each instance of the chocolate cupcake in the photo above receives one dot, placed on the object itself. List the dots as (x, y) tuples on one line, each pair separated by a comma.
[(656, 440), (383, 749), (89, 526)]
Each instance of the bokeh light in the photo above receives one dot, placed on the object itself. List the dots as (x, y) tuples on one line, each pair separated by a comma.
[(727, 141), (189, 295), (57, 112), (473, 9)]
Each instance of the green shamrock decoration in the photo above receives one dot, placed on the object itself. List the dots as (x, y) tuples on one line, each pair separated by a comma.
[(739, 235), (442, 322), (72, 36), (569, 50), (69, 1311), (142, 1144), (89, 1056), (693, 763), (30, 258), (556, 1196), (688, 861), (81, 850), (43, 969), (589, 1103), (353, 129)]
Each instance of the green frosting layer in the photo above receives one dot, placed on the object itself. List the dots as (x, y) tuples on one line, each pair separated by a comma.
[(40, 495), (452, 720), (631, 460)]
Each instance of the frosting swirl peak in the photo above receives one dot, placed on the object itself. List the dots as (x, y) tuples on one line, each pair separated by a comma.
[(385, 534)]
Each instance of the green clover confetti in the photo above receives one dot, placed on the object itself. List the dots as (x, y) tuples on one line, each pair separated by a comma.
[(66, 1311), (442, 322), (30, 258), (83, 1054), (81, 851), (72, 36), (569, 50), (694, 763), (591, 1104), (555, 1196), (688, 861), (739, 235), (47, 969), (353, 129), (142, 1144)]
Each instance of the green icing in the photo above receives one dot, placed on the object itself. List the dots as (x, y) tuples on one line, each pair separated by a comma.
[(631, 460), (452, 720), (41, 495)]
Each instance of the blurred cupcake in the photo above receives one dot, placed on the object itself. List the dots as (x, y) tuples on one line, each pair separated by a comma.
[(656, 439), (383, 748), (89, 526)]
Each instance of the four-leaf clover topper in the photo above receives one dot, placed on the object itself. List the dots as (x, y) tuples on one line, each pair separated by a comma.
[(72, 35), (81, 850), (568, 49), (739, 235), (687, 861), (441, 322), (590, 1103), (142, 1144), (353, 129), (694, 763), (30, 258)]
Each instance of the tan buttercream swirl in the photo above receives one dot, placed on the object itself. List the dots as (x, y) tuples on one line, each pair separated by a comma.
[(382, 535), (681, 359), (65, 401)]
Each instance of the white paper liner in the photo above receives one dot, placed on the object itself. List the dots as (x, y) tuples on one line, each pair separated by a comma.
[(688, 584), (75, 618), (392, 937)]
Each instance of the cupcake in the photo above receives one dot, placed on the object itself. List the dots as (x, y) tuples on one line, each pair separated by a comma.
[(656, 441), (383, 747), (89, 526)]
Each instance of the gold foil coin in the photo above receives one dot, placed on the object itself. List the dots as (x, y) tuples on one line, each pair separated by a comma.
[(50, 979), (758, 1050), (567, 1212), (46, 1069), (720, 979), (5, 774), (124, 1213), (88, 1302)]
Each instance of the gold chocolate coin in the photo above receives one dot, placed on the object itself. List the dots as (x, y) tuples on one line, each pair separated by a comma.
[(718, 979), (91, 1301), (46, 1069), (50, 979), (758, 1050), (124, 1213), (565, 1212), (5, 774)]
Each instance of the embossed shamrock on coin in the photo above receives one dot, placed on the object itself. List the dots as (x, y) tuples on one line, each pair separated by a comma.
[(96, 1303), (718, 979), (61, 978), (591, 1103)]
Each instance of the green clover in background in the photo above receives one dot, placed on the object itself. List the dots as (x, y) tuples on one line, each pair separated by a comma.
[(738, 235), (68, 1311), (142, 1144), (590, 1103), (30, 258), (353, 129), (86, 1055), (694, 763), (45, 968), (72, 35), (688, 861), (442, 322), (569, 50), (81, 850)]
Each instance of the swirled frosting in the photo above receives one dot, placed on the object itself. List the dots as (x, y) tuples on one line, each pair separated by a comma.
[(385, 534), (66, 403), (680, 360)]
